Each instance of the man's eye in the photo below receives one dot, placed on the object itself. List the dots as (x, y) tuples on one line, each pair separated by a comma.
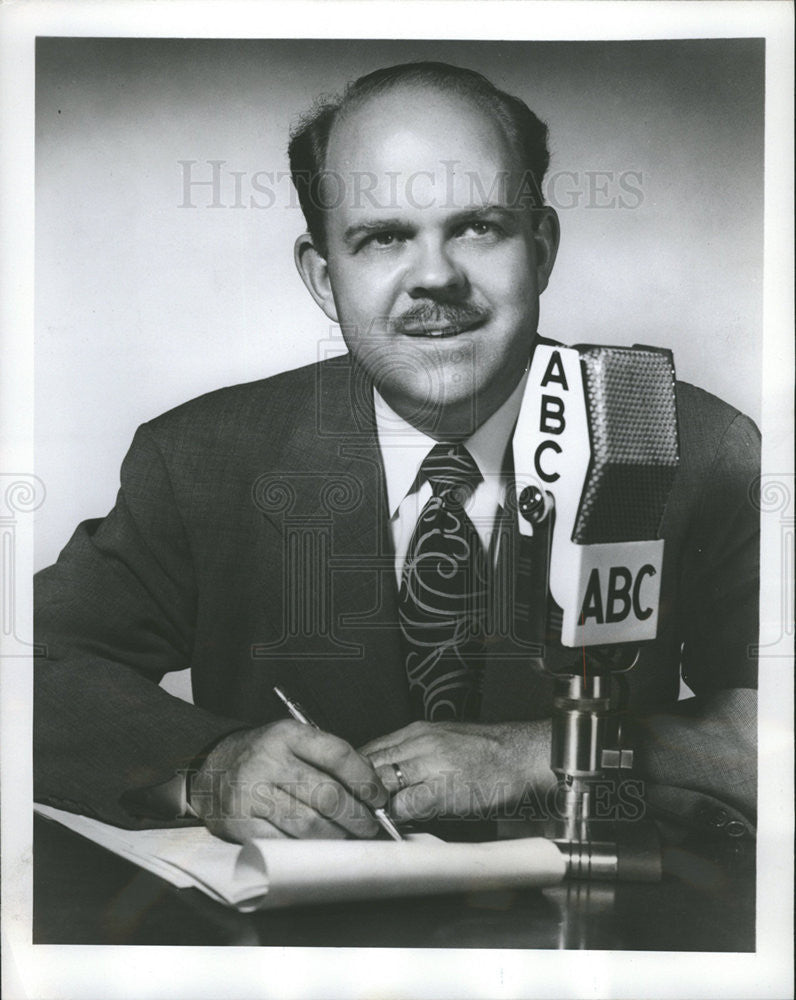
[(480, 228), (386, 239)]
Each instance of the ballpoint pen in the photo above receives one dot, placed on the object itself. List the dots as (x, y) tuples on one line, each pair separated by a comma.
[(300, 715)]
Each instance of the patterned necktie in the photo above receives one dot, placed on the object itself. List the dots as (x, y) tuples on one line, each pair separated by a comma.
[(442, 602)]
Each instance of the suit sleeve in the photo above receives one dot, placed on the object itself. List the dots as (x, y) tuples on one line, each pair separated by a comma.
[(114, 614), (721, 575), (701, 759)]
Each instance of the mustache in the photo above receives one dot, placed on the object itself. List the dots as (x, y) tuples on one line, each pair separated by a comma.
[(436, 315)]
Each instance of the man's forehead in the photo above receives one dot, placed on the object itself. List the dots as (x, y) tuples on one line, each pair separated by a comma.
[(403, 143), (407, 118)]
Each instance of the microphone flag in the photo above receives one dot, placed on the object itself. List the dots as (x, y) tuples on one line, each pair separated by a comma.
[(597, 434)]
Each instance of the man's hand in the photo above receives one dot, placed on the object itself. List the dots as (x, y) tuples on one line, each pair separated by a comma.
[(286, 779), (460, 768)]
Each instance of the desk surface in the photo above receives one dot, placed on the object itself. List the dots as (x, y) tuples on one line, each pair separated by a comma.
[(706, 902)]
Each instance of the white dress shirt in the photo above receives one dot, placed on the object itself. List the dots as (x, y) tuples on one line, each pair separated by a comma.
[(403, 448)]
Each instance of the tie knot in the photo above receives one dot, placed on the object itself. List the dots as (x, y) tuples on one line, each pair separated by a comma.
[(452, 472)]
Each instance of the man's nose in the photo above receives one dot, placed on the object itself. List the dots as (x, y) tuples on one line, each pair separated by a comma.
[(434, 272)]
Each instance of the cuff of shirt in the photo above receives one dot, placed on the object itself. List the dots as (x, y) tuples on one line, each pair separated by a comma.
[(171, 799), (167, 800)]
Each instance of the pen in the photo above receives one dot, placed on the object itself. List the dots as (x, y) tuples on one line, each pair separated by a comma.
[(300, 715)]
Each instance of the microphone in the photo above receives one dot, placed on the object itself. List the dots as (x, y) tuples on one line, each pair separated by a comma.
[(595, 455), (596, 448)]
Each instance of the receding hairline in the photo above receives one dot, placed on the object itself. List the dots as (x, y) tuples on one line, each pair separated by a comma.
[(489, 104)]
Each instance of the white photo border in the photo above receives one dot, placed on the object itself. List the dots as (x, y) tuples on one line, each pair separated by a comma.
[(53, 971)]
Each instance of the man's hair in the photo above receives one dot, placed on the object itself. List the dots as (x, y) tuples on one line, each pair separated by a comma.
[(309, 139)]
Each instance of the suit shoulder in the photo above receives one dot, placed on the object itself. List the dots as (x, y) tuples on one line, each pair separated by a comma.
[(237, 422), (719, 449), (291, 386), (705, 421), (268, 407)]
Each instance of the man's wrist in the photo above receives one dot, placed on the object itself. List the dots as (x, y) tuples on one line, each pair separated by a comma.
[(199, 783), (167, 800), (171, 799)]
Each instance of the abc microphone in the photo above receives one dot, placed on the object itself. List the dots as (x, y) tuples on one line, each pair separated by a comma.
[(595, 455)]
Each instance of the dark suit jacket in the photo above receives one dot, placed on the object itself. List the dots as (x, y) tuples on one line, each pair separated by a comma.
[(250, 541)]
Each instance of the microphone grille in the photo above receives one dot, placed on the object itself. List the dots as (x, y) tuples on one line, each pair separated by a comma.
[(632, 415)]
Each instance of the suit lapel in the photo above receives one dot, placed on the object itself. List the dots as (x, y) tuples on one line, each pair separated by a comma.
[(349, 661)]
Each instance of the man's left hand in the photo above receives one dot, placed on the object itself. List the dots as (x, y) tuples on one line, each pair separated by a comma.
[(461, 768)]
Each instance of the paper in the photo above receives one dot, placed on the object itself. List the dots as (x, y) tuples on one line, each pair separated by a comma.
[(300, 872), (188, 857), (274, 873)]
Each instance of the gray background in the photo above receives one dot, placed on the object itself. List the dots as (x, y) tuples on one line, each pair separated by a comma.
[(142, 302)]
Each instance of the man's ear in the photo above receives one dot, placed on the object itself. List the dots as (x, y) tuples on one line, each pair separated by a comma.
[(315, 274), (546, 237)]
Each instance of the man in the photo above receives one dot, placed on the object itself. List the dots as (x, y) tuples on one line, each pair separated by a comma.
[(271, 534)]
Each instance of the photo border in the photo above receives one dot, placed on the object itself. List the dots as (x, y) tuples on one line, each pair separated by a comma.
[(104, 971)]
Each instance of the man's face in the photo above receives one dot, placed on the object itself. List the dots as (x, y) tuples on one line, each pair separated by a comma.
[(434, 267)]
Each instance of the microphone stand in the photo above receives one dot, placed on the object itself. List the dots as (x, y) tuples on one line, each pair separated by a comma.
[(591, 762), (589, 756)]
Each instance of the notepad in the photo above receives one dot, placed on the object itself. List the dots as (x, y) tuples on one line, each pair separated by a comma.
[(273, 873)]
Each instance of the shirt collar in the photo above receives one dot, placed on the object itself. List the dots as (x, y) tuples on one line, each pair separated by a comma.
[(403, 447)]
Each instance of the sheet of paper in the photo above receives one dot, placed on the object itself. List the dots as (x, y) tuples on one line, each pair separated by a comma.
[(273, 873), (182, 856), (303, 872)]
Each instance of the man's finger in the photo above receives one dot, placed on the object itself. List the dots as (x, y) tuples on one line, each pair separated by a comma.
[(302, 819), (322, 795), (339, 759), (381, 759), (240, 830), (409, 773), (380, 745), (418, 802), (391, 741)]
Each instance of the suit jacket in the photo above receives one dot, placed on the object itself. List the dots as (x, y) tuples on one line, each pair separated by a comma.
[(250, 541)]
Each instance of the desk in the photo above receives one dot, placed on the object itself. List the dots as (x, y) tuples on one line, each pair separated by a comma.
[(85, 895)]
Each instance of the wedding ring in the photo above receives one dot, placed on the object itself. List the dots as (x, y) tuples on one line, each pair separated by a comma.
[(402, 782)]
